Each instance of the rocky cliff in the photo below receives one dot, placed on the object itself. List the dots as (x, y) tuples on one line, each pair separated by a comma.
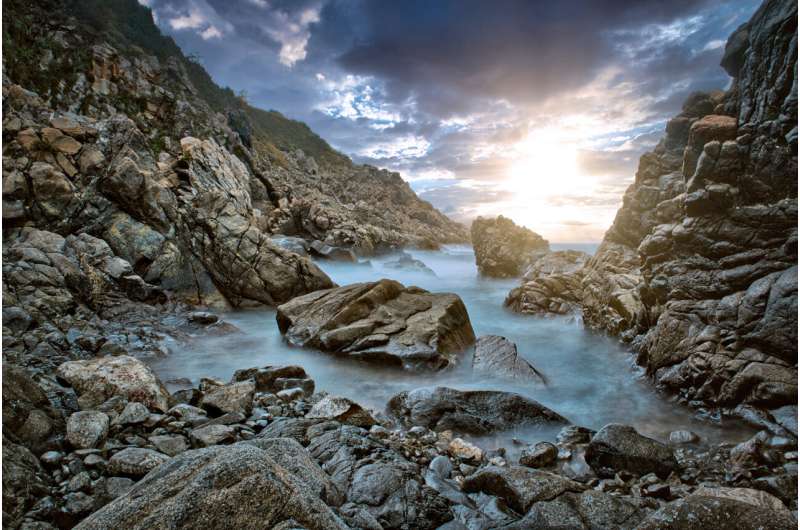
[(503, 249), (699, 269)]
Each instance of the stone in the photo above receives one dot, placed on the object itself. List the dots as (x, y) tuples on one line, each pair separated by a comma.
[(169, 444), (540, 455), (212, 435), (96, 380), (618, 447), (134, 413), (116, 486), (135, 462), (87, 429), (471, 412), (342, 410), (464, 450), (382, 322), (188, 492), (497, 356), (519, 487), (503, 249), (683, 437), (235, 397), (703, 512), (203, 317)]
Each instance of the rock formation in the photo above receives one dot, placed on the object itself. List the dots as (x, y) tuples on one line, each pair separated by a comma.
[(503, 249), (550, 285), (699, 270), (380, 322)]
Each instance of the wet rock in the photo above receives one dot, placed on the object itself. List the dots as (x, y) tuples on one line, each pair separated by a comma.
[(273, 379), (342, 410), (318, 248), (235, 397), (135, 461), (96, 380), (551, 284), (497, 356), (471, 412), (519, 487), (203, 318), (187, 491), (540, 455), (503, 249), (618, 447), (87, 429), (381, 322), (683, 437), (409, 264)]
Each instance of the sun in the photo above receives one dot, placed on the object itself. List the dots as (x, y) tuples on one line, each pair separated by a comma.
[(546, 166)]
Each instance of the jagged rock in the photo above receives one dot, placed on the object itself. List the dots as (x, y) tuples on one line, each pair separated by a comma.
[(27, 412), (503, 249), (342, 410), (552, 284), (497, 356), (86, 429), (188, 491), (408, 263), (519, 487), (618, 447), (318, 248), (273, 379), (135, 461), (381, 322), (235, 397), (540, 455), (472, 411), (97, 380)]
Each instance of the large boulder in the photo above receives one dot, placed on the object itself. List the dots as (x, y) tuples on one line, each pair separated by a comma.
[(97, 380), (382, 322), (497, 356), (618, 447), (503, 249), (238, 486), (469, 411)]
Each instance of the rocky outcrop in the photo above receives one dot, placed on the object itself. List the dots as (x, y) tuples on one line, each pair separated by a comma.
[(503, 249), (551, 285), (380, 322), (497, 356), (699, 270), (471, 412)]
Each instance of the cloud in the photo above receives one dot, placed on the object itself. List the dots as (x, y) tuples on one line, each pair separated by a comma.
[(292, 31)]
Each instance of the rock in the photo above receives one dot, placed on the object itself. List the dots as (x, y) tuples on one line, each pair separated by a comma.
[(291, 394), (618, 447), (408, 263), (188, 413), (551, 284), (540, 455), (235, 397), (87, 429), (52, 458), (464, 450), (133, 414), (169, 444), (318, 248), (273, 379), (589, 510), (187, 492), (683, 437), (472, 412), (203, 318), (24, 481), (519, 487), (27, 411), (497, 356), (135, 462), (342, 410), (381, 322), (116, 486), (718, 512), (96, 380), (503, 249), (212, 435)]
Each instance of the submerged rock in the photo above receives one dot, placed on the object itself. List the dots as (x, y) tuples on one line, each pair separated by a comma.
[(503, 249), (497, 356), (471, 412), (380, 322)]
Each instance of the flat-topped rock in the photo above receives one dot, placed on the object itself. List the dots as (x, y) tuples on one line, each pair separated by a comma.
[(471, 411), (381, 322)]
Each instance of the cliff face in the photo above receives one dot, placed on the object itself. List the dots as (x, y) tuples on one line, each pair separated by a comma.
[(111, 132), (699, 269)]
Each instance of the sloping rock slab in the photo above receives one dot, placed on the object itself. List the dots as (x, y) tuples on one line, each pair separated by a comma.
[(380, 321), (497, 356), (472, 412), (237, 486), (717, 512)]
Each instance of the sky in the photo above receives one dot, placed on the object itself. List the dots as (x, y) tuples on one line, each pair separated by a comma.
[(535, 110)]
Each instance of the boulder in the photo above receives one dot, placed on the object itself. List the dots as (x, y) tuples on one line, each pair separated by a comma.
[(135, 461), (698, 511), (27, 412), (273, 379), (342, 410), (236, 486), (87, 429), (212, 435), (235, 397), (472, 411), (382, 322), (497, 356), (618, 447), (519, 487), (540, 455), (590, 510), (97, 380), (503, 249)]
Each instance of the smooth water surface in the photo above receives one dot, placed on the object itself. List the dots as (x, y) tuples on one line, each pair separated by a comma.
[(592, 379)]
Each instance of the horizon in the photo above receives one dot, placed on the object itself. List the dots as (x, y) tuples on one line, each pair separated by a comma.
[(481, 127)]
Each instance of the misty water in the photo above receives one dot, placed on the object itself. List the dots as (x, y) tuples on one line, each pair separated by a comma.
[(592, 379)]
